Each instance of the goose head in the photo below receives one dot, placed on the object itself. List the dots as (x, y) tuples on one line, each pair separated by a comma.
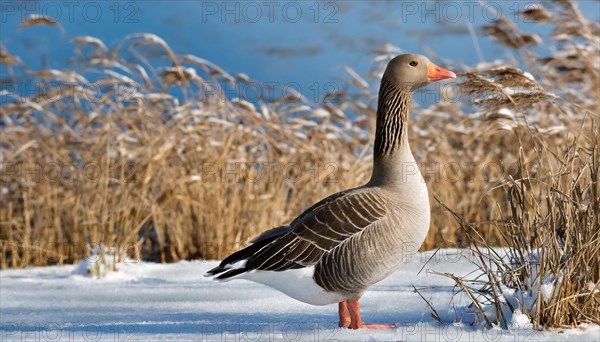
[(411, 72)]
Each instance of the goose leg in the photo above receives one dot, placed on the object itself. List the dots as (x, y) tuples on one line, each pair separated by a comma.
[(344, 314), (356, 321)]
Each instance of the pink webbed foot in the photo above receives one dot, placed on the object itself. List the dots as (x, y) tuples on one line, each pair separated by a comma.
[(356, 322)]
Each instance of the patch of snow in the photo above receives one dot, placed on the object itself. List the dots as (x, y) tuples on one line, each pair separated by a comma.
[(147, 301), (547, 290), (506, 112), (520, 320), (529, 76)]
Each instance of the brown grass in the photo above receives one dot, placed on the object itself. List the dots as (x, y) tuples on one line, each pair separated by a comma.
[(122, 163), (548, 214)]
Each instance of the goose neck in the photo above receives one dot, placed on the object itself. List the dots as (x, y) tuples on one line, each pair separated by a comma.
[(391, 154), (391, 129)]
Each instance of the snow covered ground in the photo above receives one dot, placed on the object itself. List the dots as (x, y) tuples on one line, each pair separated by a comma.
[(145, 301)]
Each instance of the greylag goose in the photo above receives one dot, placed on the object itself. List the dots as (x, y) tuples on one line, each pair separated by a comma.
[(336, 249)]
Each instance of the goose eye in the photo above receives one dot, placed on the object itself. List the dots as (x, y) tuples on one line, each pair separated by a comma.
[(413, 63)]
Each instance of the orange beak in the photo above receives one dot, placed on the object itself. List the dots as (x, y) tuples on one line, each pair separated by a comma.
[(436, 73)]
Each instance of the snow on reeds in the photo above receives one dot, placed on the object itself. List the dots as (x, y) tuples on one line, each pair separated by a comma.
[(139, 149), (547, 215)]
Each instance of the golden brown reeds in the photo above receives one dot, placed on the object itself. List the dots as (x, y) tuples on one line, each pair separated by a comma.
[(545, 208)]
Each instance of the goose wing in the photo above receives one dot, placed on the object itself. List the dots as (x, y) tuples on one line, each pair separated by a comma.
[(318, 230)]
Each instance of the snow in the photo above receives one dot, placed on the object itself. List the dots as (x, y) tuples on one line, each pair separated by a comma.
[(146, 301), (529, 76), (506, 112), (520, 319)]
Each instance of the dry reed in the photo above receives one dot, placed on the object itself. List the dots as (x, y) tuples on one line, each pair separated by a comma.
[(547, 212)]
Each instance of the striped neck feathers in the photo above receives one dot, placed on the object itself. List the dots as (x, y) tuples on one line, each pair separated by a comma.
[(393, 109)]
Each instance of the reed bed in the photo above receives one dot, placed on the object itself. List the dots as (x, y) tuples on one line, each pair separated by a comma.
[(139, 148), (545, 206)]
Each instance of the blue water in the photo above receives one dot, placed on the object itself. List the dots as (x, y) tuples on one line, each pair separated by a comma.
[(302, 44)]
